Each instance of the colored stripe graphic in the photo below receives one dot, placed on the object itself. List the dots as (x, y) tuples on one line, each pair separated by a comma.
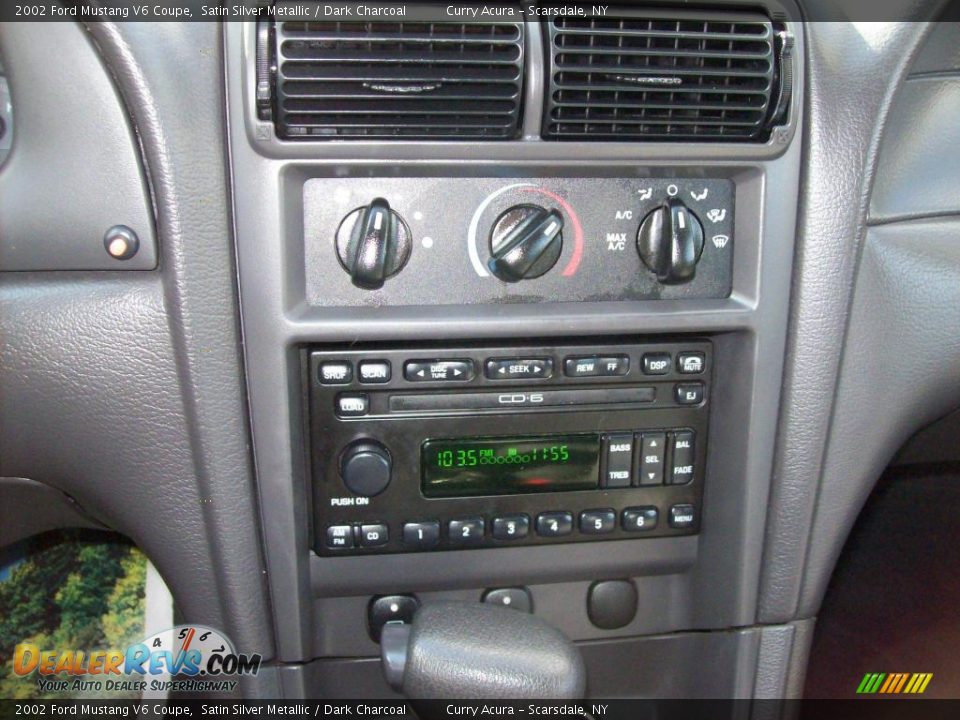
[(894, 683)]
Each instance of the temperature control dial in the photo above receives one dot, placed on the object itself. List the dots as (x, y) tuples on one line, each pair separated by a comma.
[(525, 242), (373, 243), (670, 242)]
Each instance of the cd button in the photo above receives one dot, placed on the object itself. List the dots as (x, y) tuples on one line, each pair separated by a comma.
[(511, 527), (519, 368), (554, 524), (581, 367), (438, 370), (374, 535)]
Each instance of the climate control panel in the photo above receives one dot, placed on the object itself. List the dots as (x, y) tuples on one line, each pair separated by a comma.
[(439, 241)]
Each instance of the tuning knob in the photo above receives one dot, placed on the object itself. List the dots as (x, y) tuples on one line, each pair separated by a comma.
[(365, 468), (670, 241), (373, 243), (525, 242)]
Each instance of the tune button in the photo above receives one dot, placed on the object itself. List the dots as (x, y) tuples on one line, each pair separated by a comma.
[(466, 531), (438, 370), (554, 524)]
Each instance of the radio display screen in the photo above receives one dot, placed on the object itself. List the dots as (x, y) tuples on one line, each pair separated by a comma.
[(509, 465)]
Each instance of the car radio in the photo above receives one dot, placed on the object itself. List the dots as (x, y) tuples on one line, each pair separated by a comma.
[(420, 448)]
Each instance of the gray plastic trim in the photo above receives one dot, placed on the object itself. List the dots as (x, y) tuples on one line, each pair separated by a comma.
[(749, 331), (74, 170), (50, 510)]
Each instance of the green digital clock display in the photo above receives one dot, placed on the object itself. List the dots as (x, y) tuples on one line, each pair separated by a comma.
[(510, 466)]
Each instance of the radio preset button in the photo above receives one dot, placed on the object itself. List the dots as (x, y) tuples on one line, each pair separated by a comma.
[(639, 519), (554, 524), (689, 394), (597, 522), (466, 531), (613, 365), (421, 535), (374, 535), (652, 446), (581, 366), (353, 405), (374, 371), (438, 370), (340, 537), (519, 368), (683, 447), (335, 373), (691, 363), (511, 527), (618, 450), (656, 363), (682, 517)]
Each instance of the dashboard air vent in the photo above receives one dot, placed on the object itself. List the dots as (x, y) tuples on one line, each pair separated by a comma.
[(398, 80), (663, 75)]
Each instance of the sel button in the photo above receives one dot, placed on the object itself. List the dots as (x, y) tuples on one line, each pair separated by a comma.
[(651, 458)]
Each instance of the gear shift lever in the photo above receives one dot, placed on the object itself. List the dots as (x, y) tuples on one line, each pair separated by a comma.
[(473, 650)]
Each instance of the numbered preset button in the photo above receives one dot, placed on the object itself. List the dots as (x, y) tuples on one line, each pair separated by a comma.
[(597, 522), (465, 531), (639, 519), (511, 527), (421, 535), (554, 524)]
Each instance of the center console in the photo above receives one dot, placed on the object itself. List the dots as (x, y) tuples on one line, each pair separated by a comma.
[(522, 363)]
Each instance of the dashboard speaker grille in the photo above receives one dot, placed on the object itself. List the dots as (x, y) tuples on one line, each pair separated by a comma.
[(660, 75), (399, 80)]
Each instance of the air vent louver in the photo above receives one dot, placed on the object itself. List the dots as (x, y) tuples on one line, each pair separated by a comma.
[(660, 75), (399, 80)]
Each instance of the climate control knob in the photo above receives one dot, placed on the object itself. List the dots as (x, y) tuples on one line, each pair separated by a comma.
[(670, 242), (365, 467), (525, 242), (373, 244)]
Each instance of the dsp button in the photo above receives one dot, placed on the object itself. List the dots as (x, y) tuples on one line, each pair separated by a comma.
[(517, 368), (438, 370), (618, 449), (683, 447), (656, 363)]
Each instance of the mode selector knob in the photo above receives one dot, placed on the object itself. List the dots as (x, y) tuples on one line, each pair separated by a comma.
[(525, 242), (365, 468), (373, 243), (670, 242)]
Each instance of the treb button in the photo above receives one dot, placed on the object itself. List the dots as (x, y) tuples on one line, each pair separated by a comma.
[(519, 368), (618, 448)]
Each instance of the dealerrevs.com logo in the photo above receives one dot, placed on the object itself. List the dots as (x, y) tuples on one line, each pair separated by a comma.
[(200, 658)]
